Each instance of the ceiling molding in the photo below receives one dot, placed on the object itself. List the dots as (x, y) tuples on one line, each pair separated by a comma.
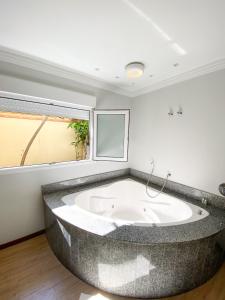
[(203, 70), (38, 64)]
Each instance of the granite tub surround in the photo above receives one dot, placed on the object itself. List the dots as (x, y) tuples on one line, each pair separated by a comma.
[(84, 181), (134, 261), (181, 189)]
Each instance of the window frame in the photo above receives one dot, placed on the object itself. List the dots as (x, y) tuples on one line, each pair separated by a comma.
[(126, 113), (63, 104)]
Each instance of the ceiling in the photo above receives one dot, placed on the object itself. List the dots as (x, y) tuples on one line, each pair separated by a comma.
[(93, 40)]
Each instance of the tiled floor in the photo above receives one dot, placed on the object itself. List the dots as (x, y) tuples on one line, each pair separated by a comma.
[(30, 270)]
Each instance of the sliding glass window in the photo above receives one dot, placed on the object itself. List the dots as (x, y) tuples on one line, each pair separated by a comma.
[(33, 133)]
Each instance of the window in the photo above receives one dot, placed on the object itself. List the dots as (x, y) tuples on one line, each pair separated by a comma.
[(111, 135), (34, 133)]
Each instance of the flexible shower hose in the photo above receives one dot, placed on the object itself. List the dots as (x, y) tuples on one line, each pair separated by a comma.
[(150, 177)]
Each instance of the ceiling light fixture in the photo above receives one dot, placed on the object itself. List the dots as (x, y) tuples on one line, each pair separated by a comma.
[(135, 69)]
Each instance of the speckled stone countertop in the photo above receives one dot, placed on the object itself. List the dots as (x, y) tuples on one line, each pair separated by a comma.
[(210, 225)]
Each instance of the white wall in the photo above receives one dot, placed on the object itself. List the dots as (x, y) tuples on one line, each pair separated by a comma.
[(191, 146), (21, 211), (43, 90)]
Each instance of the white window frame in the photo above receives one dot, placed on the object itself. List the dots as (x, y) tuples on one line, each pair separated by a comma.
[(126, 113), (15, 96)]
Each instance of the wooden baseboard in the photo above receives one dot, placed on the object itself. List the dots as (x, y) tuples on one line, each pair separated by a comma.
[(22, 239)]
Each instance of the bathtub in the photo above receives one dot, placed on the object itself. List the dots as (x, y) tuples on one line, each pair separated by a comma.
[(126, 202), (113, 236)]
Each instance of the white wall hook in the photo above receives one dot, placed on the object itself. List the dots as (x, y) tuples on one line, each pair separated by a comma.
[(180, 111), (170, 113)]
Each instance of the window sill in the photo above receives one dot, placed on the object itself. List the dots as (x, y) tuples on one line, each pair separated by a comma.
[(33, 168)]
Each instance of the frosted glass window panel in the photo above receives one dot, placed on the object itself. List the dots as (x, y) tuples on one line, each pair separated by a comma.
[(110, 135)]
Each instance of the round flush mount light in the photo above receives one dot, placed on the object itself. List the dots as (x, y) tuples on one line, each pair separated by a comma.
[(135, 69)]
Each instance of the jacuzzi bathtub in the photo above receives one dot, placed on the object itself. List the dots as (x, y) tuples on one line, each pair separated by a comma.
[(116, 238), (126, 202)]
